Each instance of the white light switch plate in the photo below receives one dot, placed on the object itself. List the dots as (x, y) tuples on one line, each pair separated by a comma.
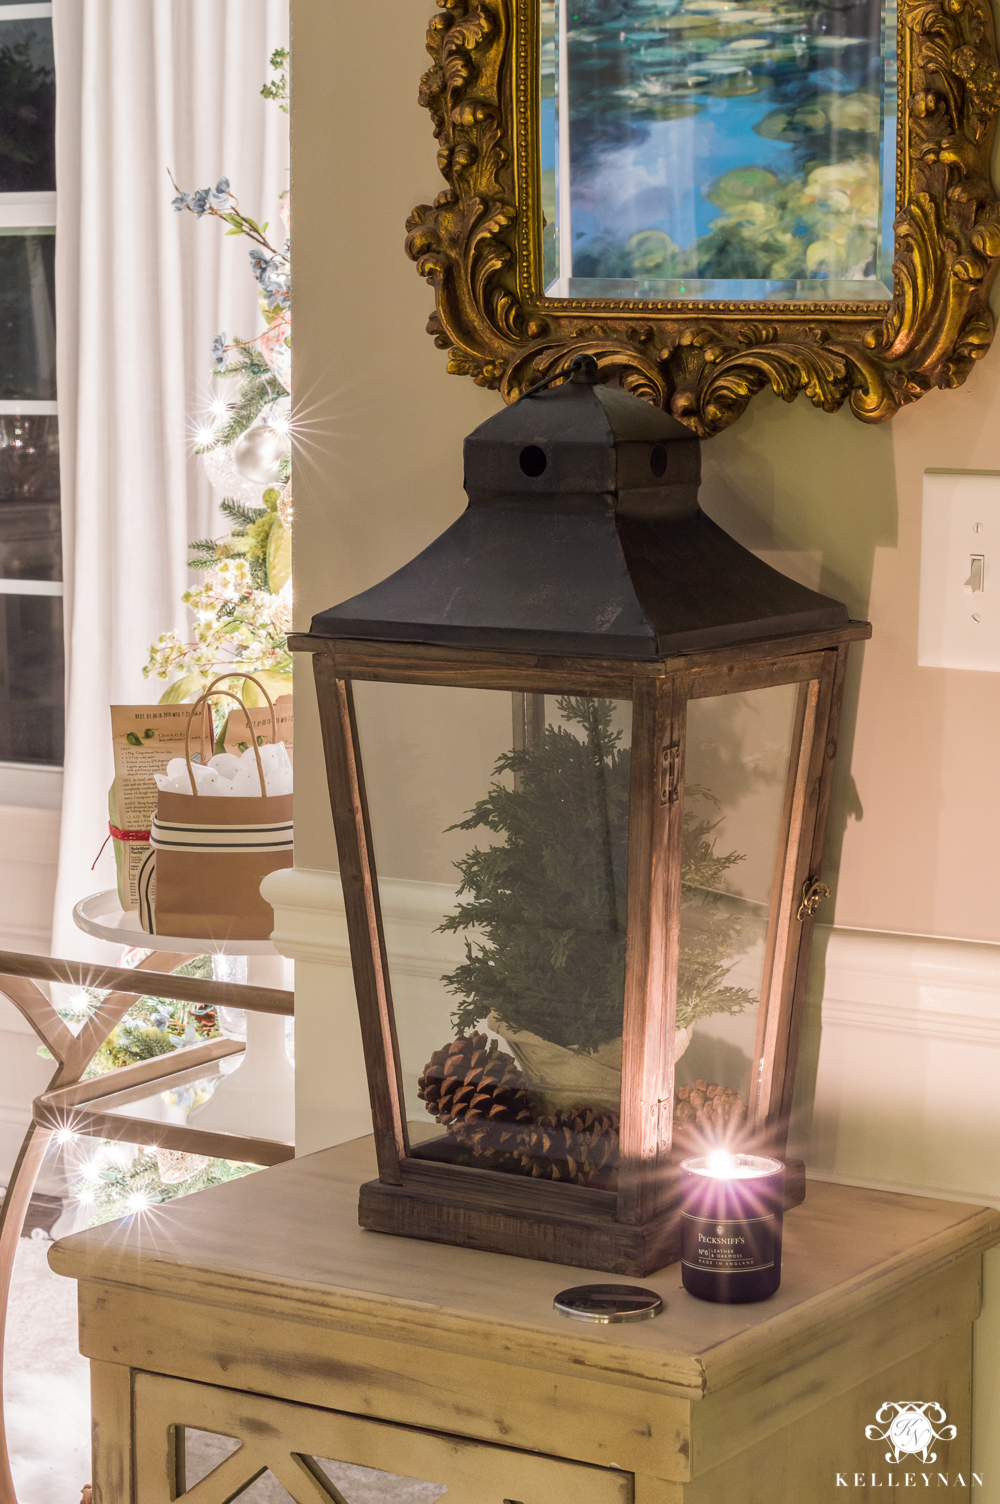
[(960, 626)]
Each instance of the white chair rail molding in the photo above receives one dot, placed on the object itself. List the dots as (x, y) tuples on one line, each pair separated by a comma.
[(905, 1094)]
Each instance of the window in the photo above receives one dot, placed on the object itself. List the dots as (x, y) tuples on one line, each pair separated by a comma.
[(31, 644)]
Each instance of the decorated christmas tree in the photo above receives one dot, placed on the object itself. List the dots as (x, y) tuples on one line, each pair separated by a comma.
[(242, 609), (118, 1181)]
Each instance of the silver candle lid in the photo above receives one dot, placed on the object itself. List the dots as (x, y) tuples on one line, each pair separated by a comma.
[(608, 1303)]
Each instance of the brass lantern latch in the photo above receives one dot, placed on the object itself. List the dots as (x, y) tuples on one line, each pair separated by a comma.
[(813, 894), (670, 767)]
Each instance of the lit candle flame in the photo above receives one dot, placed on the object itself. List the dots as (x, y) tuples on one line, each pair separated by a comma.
[(721, 1163)]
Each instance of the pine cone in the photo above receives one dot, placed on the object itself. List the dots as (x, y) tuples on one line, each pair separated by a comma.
[(477, 1091), (578, 1147), (709, 1108), (473, 1080)]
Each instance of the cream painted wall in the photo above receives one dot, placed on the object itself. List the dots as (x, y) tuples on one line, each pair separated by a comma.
[(379, 471), (916, 824)]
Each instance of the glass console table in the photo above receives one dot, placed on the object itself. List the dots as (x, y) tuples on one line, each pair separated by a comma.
[(256, 1094)]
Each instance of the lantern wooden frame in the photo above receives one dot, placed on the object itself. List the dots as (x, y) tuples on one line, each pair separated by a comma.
[(632, 1230)]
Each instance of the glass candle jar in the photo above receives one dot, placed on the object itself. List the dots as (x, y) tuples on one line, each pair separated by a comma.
[(731, 1212)]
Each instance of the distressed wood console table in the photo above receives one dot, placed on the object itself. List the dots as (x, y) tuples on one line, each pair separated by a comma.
[(260, 1311)]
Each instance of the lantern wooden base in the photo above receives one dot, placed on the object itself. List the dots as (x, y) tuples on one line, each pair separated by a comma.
[(503, 1214)]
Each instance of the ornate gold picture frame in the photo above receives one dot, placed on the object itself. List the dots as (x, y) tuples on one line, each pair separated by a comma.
[(480, 243)]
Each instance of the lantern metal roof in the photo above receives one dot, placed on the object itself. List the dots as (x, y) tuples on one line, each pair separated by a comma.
[(582, 536)]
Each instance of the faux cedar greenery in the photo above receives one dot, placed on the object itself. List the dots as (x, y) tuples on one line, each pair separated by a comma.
[(549, 902)]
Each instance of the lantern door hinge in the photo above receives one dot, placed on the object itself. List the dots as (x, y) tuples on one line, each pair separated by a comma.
[(670, 772), (813, 894)]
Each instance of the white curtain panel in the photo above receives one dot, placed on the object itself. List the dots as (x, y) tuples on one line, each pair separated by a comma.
[(143, 86)]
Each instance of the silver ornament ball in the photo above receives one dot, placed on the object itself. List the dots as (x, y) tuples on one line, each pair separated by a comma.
[(223, 476), (259, 453)]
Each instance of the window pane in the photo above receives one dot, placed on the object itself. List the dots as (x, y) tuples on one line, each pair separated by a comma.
[(29, 499), (31, 678), (27, 107), (27, 314)]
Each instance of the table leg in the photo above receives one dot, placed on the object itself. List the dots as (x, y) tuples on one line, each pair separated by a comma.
[(258, 1097), (111, 1406)]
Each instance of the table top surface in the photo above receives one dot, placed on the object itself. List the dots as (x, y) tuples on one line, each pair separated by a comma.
[(288, 1237), (102, 915)]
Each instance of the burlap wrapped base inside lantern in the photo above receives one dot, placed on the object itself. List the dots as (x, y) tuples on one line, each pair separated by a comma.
[(559, 1077)]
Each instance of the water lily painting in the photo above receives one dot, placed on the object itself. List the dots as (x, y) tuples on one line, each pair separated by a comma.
[(718, 148)]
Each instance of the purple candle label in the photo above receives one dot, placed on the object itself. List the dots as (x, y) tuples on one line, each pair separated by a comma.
[(736, 1247)]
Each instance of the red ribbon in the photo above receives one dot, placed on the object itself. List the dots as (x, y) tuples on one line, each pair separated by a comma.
[(120, 835)]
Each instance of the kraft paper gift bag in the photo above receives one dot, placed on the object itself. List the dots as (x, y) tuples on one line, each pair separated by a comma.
[(145, 738), (211, 851)]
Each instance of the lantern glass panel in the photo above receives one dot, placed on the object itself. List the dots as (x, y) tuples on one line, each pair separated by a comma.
[(500, 829), (737, 767)]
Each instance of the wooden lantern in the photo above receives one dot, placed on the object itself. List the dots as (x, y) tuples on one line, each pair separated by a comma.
[(584, 581)]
